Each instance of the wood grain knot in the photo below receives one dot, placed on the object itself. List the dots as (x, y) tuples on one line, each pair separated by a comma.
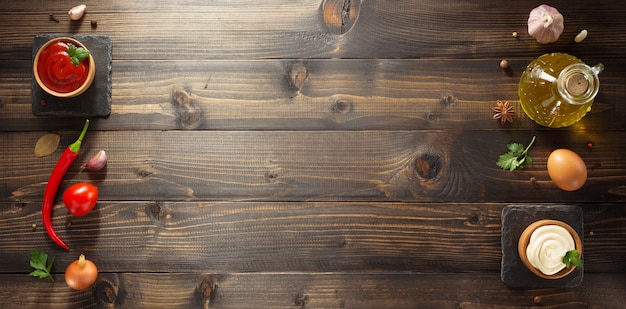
[(340, 15), (206, 290), (449, 99), (188, 112), (145, 171), (342, 106), (181, 97), (106, 293), (301, 300), (431, 117), (271, 176), (428, 165), (153, 210), (619, 190), (475, 219), (298, 74)]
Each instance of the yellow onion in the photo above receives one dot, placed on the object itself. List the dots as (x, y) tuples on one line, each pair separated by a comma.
[(81, 274)]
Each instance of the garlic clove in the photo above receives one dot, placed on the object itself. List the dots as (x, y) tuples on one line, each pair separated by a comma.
[(77, 12), (96, 162), (545, 24), (580, 36)]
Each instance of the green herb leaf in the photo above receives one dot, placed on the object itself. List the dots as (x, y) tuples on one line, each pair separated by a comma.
[(528, 161), (76, 54), (515, 148), (39, 273), (517, 157), (572, 257), (508, 161), (39, 261)]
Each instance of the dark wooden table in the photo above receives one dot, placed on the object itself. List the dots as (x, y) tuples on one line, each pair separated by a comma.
[(308, 154)]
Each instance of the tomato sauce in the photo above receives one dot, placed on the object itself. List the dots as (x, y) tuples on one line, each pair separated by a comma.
[(57, 71)]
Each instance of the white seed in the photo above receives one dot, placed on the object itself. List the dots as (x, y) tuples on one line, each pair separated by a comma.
[(514, 34), (580, 36), (77, 12), (504, 64)]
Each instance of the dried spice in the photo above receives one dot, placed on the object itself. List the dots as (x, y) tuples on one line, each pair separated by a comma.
[(504, 111), (53, 18), (47, 144)]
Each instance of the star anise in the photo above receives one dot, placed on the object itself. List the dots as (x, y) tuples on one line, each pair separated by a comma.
[(504, 112)]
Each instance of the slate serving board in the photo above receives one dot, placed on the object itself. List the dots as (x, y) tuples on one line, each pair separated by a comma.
[(515, 218), (96, 101)]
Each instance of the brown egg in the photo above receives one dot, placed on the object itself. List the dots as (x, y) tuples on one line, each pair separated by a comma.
[(567, 170)]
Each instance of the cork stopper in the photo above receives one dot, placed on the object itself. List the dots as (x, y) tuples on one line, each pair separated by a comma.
[(577, 84)]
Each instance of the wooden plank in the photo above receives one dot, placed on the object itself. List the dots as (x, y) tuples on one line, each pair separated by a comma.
[(308, 154), (308, 29), (306, 290), (289, 237), (308, 95), (432, 166)]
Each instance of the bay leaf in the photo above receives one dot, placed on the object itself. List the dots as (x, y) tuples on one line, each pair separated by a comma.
[(47, 144)]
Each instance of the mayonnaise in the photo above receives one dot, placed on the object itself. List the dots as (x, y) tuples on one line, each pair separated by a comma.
[(547, 246)]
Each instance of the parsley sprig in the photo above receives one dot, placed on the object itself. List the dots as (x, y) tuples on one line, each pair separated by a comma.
[(572, 257), (517, 157), (39, 261), (77, 54)]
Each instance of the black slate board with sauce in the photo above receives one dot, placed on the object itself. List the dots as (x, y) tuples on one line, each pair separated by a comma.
[(96, 101), (515, 218)]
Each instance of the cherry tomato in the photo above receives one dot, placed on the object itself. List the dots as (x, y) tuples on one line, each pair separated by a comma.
[(80, 198)]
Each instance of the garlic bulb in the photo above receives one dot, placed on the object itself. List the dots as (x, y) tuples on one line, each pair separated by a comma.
[(545, 24)]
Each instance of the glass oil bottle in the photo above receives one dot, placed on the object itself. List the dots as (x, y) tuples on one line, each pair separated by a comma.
[(557, 89)]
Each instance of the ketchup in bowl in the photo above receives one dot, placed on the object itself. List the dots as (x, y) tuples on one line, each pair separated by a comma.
[(57, 74)]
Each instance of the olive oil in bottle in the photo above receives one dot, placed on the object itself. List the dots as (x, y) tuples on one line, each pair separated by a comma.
[(557, 90)]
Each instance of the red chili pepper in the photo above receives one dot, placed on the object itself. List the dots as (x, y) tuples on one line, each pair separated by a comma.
[(69, 155)]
